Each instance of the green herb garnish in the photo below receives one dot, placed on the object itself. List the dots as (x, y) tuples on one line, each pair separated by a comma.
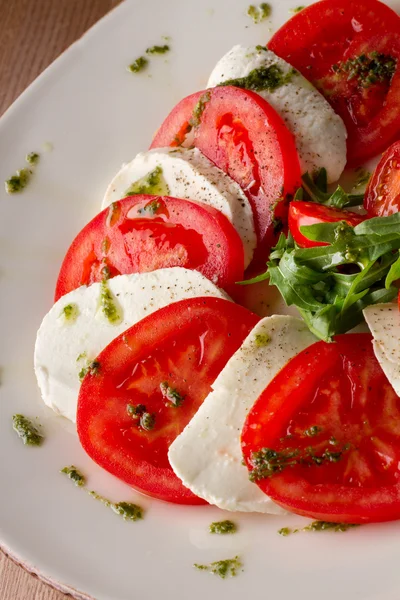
[(259, 13), (32, 158), (222, 568), (18, 182), (75, 475), (27, 431), (171, 394), (126, 510), (138, 65), (319, 526), (264, 78), (367, 70), (223, 527), (198, 110), (158, 49), (331, 285)]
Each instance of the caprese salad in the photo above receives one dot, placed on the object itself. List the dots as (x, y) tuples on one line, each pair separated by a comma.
[(176, 386)]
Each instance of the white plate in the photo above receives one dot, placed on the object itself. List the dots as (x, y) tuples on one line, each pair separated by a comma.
[(98, 115)]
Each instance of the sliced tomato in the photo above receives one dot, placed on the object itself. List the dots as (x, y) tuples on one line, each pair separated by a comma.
[(350, 50), (333, 421), (162, 367), (245, 137), (145, 233), (382, 197), (310, 213)]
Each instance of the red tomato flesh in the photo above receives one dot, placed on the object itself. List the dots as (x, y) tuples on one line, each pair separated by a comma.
[(310, 213), (245, 137), (382, 197), (335, 420), (145, 233), (183, 346), (320, 41)]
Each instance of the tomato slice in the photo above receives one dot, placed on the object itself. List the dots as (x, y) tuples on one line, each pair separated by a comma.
[(245, 137), (162, 367), (350, 49), (145, 233), (309, 213), (382, 197), (333, 420)]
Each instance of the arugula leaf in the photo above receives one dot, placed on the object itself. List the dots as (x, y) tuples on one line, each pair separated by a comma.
[(394, 273), (316, 192), (332, 284)]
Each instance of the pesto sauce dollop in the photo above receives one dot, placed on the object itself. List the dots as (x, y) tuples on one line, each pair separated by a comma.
[(222, 568), (32, 158), (109, 305), (26, 431), (318, 526), (259, 13), (223, 527), (127, 510), (18, 182), (138, 65), (152, 184), (264, 78), (75, 475), (158, 49), (70, 312)]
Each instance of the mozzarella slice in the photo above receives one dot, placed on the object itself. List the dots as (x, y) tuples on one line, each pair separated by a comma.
[(207, 455), (319, 132), (384, 323), (188, 174), (66, 346), (391, 369)]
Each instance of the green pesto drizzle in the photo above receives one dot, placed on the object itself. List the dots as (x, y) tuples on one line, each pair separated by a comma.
[(70, 312), (108, 304), (127, 510), (264, 78), (92, 367), (297, 9), (368, 69), (26, 431), (261, 340), (223, 527), (18, 182), (319, 526), (171, 394), (135, 410), (222, 568), (138, 65), (153, 184), (313, 431), (267, 462), (32, 158), (198, 110), (75, 475), (158, 49), (259, 13), (151, 208)]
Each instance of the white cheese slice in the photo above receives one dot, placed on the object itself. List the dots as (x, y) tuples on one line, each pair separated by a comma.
[(207, 455), (190, 175), (391, 369), (384, 323), (64, 347), (319, 132)]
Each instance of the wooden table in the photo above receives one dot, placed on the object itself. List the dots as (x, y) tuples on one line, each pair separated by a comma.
[(32, 34)]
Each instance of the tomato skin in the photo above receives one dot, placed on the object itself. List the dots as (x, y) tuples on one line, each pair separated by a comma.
[(382, 197), (309, 213), (186, 344), (341, 389), (129, 237), (330, 32), (245, 137)]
